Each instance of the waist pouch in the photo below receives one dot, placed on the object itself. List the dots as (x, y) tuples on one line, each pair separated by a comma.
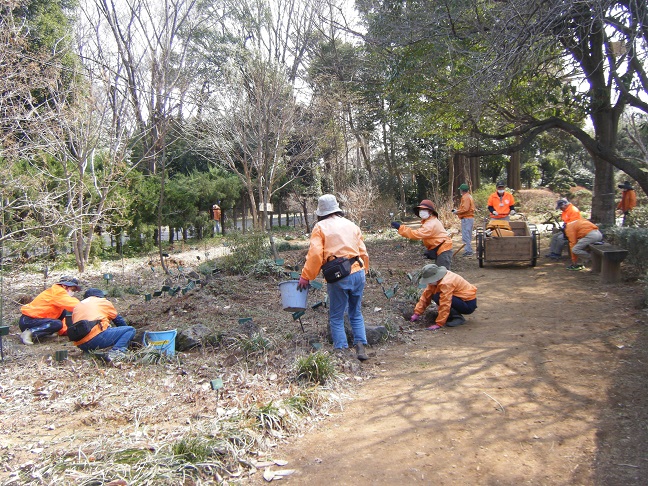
[(80, 329), (432, 253), (338, 268)]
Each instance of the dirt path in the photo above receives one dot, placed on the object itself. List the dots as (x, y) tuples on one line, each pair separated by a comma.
[(545, 384)]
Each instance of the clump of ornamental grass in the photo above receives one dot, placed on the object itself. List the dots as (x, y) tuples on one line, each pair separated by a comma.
[(315, 367)]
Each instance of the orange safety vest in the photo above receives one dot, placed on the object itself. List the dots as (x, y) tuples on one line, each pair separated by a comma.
[(628, 200), (94, 309), (431, 232), (334, 236), (466, 207), (50, 304), (451, 284), (501, 204), (570, 213)]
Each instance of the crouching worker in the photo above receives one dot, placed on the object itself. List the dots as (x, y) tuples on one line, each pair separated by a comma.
[(91, 328), (581, 233), (45, 314), (451, 292)]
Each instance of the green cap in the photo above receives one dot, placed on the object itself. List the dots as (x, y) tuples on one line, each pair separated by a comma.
[(463, 187)]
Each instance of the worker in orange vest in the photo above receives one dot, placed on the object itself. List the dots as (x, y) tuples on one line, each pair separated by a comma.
[(501, 203), (628, 200), (581, 233), (569, 213), (45, 314)]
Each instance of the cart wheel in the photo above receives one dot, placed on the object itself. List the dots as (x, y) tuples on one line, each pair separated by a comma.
[(480, 249), (534, 248)]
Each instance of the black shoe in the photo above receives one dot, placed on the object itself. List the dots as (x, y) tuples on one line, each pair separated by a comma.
[(455, 321), (360, 352)]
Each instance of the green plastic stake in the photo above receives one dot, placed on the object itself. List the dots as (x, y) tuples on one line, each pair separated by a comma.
[(243, 320), (316, 346), (280, 262), (298, 314), (165, 288), (147, 297), (409, 276), (294, 275), (157, 293), (216, 384), (190, 285), (316, 285), (107, 276), (380, 280), (389, 293), (4, 331), (317, 304)]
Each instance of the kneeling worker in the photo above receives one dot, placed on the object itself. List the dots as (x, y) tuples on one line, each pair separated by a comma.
[(452, 293), (95, 308), (45, 314)]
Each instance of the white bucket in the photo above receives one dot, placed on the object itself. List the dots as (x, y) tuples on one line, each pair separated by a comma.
[(292, 299)]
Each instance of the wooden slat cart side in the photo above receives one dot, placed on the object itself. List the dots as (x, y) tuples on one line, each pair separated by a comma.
[(522, 246)]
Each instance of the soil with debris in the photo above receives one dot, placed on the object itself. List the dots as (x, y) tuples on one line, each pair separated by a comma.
[(544, 384)]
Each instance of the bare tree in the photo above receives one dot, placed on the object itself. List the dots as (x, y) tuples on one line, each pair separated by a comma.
[(252, 131)]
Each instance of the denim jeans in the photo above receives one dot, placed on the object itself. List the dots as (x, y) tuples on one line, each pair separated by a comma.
[(40, 326), (461, 306), (466, 234), (117, 337), (343, 294)]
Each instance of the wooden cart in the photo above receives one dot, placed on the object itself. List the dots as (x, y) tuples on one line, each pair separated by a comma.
[(521, 246)]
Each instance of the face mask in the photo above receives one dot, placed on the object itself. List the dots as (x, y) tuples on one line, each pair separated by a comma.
[(424, 214), (500, 191)]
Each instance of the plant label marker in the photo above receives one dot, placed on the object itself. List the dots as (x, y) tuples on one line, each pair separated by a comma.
[(294, 275), (316, 285), (147, 297), (243, 320), (279, 262), (216, 384)]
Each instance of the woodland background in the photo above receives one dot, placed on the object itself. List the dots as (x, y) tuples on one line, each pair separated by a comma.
[(121, 118)]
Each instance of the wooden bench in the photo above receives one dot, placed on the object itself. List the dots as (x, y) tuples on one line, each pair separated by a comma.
[(606, 260)]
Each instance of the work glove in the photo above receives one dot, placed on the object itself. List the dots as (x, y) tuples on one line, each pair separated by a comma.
[(414, 318), (395, 224), (512, 212), (454, 211), (495, 213), (303, 284)]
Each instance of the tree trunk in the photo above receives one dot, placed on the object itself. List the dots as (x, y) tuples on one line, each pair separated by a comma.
[(513, 179), (606, 126)]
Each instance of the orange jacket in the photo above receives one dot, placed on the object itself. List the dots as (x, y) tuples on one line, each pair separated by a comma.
[(334, 236), (466, 207), (50, 304), (501, 204), (570, 213), (575, 230), (451, 284), (94, 309), (431, 232), (628, 200)]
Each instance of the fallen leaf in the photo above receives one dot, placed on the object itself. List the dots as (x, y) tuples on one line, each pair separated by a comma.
[(268, 475), (280, 462), (284, 472)]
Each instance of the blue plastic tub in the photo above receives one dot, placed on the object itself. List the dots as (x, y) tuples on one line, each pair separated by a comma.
[(162, 340)]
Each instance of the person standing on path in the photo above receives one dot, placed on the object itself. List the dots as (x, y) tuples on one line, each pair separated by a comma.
[(466, 214), (453, 294), (581, 233), (558, 240), (628, 200), (45, 314), (434, 236), (501, 203), (335, 236), (95, 307)]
